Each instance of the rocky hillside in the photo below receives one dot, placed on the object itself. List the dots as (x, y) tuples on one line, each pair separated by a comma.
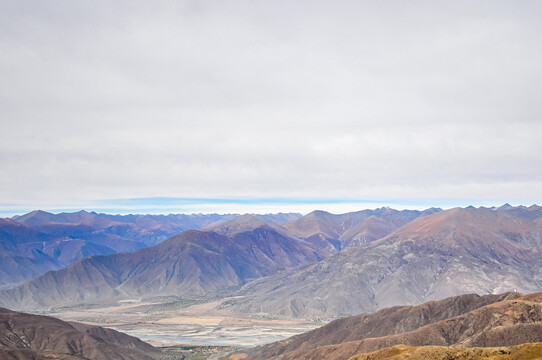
[(37, 242), (193, 264), (402, 352), (336, 232), (466, 321), (31, 337), (453, 252)]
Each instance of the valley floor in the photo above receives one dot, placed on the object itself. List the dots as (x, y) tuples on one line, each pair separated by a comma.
[(172, 324)]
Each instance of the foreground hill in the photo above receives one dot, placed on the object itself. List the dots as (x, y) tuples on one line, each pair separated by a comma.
[(336, 232), (448, 253), (400, 352), (194, 264), (31, 337), (466, 321)]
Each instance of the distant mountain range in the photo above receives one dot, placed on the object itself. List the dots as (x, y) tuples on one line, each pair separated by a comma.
[(337, 232), (310, 267), (37, 242), (464, 321), (194, 264)]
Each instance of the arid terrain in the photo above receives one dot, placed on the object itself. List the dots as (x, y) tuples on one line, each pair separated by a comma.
[(250, 283), (201, 324), (402, 352), (504, 326), (464, 321)]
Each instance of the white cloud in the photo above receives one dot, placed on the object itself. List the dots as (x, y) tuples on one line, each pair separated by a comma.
[(367, 100)]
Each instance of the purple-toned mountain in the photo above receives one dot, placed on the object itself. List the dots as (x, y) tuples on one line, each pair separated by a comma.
[(193, 264), (448, 253), (37, 242), (119, 232), (19, 260)]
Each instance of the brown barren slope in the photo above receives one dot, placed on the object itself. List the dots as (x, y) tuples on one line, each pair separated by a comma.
[(25, 336), (491, 321), (398, 352)]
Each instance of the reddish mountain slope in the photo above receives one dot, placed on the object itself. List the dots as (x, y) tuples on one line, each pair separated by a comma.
[(336, 232), (433, 257)]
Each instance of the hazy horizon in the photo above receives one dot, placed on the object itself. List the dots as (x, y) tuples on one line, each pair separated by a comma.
[(166, 206)]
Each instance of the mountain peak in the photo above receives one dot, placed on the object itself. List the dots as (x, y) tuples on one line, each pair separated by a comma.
[(35, 217), (38, 213), (242, 223), (319, 213), (505, 207)]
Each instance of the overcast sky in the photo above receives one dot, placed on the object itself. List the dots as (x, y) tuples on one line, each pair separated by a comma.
[(393, 102)]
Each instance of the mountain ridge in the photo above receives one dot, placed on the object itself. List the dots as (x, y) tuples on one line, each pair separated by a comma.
[(339, 231), (432, 257), (194, 263), (39, 241)]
